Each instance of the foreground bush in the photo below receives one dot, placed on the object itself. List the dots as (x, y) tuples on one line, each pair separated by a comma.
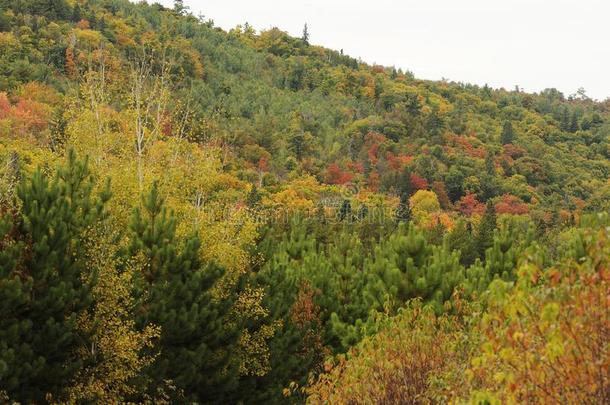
[(543, 340), (548, 340), (399, 365)]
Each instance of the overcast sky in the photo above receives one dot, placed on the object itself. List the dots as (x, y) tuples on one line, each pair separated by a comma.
[(531, 43)]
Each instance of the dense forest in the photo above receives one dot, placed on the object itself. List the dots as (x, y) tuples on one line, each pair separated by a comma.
[(189, 215)]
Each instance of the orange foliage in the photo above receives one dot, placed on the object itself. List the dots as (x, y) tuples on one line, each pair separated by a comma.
[(465, 144), (83, 25), (5, 105), (440, 217), (396, 163), (305, 314), (70, 62), (26, 115)]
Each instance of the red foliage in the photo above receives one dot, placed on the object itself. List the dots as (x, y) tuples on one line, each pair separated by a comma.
[(510, 204), (418, 183), (373, 141), (167, 126), (26, 115), (334, 175), (263, 164), (357, 167), (469, 205), (513, 151), (374, 180)]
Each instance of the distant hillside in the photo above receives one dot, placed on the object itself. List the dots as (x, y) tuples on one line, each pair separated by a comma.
[(281, 109)]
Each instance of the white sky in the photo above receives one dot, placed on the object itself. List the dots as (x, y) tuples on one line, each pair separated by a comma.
[(531, 43)]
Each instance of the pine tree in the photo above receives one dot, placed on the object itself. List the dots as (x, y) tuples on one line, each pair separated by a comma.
[(345, 212), (254, 198), (179, 7), (434, 124), (42, 292), (305, 36), (405, 189), (487, 227), (508, 244), (573, 123), (403, 212), (462, 239), (403, 266), (77, 14), (489, 183), (508, 134), (363, 212), (564, 122), (197, 340)]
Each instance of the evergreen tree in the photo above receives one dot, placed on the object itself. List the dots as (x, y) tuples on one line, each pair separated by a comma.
[(434, 125), (405, 189), (77, 13), (487, 227), (305, 36), (490, 166), (564, 122), (403, 212), (573, 123), (179, 7), (197, 340), (508, 134), (254, 198), (403, 266), (345, 212), (489, 183), (501, 258), (363, 212), (42, 288), (462, 239), (293, 265)]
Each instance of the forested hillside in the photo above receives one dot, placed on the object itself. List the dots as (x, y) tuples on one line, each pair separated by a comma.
[(189, 215)]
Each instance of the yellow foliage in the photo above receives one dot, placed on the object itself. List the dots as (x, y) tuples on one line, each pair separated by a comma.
[(89, 38), (424, 203), (252, 346), (116, 350), (291, 200)]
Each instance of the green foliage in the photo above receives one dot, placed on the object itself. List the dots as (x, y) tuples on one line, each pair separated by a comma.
[(508, 133), (42, 287), (197, 341), (486, 229)]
